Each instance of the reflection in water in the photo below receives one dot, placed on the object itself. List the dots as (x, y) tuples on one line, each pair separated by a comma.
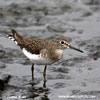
[(44, 84), (34, 82), (40, 92), (45, 97), (36, 92)]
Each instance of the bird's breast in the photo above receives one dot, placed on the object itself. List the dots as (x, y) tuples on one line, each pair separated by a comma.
[(59, 53)]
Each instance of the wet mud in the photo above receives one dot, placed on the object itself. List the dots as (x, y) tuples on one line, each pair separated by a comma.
[(76, 74)]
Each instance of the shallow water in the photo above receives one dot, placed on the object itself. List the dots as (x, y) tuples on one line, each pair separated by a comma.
[(76, 74)]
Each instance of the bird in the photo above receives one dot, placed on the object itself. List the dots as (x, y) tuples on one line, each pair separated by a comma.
[(41, 51)]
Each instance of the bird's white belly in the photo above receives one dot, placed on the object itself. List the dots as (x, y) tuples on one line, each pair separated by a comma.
[(37, 59)]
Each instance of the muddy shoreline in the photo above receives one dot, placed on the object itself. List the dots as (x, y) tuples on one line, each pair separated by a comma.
[(76, 74)]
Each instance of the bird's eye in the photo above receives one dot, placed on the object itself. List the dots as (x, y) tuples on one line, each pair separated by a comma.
[(62, 42)]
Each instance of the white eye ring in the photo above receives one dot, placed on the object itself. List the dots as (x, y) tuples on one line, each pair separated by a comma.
[(62, 42)]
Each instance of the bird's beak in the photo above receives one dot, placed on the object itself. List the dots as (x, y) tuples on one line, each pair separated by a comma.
[(75, 48)]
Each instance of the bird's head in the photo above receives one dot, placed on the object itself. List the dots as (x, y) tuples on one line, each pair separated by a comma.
[(62, 43)]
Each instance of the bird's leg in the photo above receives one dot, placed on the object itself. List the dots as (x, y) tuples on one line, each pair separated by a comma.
[(32, 69), (44, 73), (44, 76)]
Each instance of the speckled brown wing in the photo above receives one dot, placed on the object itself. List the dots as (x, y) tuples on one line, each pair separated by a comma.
[(32, 45), (35, 45)]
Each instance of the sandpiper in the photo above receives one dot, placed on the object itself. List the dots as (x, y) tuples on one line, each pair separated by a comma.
[(41, 51)]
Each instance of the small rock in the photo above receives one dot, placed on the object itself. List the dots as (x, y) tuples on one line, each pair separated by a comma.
[(4, 82)]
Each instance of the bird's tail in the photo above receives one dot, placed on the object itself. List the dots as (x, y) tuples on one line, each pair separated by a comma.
[(15, 37)]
